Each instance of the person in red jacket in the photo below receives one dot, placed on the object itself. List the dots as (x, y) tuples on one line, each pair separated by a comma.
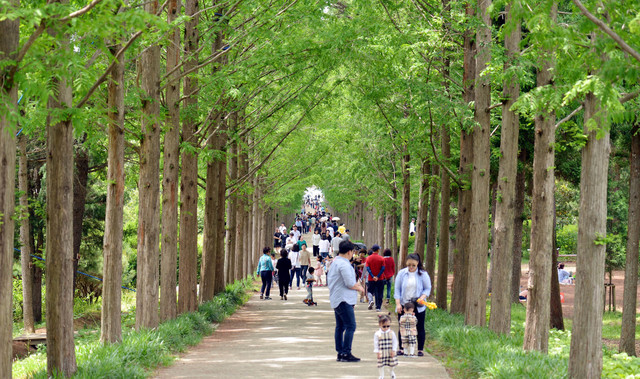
[(375, 270), (389, 272)]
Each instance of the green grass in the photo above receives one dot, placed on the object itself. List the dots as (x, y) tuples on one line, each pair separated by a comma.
[(141, 351), (478, 352)]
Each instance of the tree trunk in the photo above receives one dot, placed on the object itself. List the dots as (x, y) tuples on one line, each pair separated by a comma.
[(555, 302), (423, 209), (111, 325), (81, 178), (149, 187), (461, 254), (9, 93), (628, 334), (585, 360), (432, 232), (536, 333), (171, 168), (404, 223), (240, 250), (232, 202), (500, 319), (61, 356), (475, 312), (380, 231), (443, 249), (388, 224), (517, 231), (26, 249), (188, 274)]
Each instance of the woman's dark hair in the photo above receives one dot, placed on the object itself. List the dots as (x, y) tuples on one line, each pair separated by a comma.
[(266, 250), (416, 258), (295, 248), (560, 266), (387, 252), (284, 253), (323, 237)]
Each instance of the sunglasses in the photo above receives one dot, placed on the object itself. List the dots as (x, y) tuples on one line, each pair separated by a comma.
[(385, 326)]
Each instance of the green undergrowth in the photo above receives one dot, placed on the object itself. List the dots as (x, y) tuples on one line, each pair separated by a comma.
[(478, 352), (141, 351)]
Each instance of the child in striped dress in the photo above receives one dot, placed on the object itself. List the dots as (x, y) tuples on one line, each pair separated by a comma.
[(385, 344), (409, 329)]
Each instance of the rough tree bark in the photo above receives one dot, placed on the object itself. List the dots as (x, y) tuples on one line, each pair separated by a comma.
[(432, 232), (475, 312), (149, 186), (380, 230), (26, 249), (517, 231), (500, 319), (240, 196), (555, 304), (628, 333), (443, 249), (404, 222), (585, 359), (8, 98), (61, 357), (536, 333), (188, 275), (232, 202), (80, 180), (461, 253), (423, 209), (171, 168), (110, 327)]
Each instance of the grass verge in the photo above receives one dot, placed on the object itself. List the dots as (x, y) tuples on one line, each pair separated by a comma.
[(141, 351)]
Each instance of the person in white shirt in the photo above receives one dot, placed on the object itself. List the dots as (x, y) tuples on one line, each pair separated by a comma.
[(315, 239), (291, 241), (324, 247), (296, 233), (330, 230), (294, 256), (283, 229), (412, 227)]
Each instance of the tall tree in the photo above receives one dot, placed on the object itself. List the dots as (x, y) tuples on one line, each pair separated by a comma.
[(406, 203), (585, 359), (9, 39), (423, 209), (170, 170), (111, 328), (475, 312), (26, 248), (628, 333), (500, 320), (432, 232), (189, 182), (148, 186), (536, 334), (517, 231)]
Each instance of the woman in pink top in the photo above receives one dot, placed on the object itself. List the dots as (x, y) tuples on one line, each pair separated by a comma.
[(389, 272)]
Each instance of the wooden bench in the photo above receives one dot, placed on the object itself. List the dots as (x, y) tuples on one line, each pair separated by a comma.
[(567, 256), (32, 339)]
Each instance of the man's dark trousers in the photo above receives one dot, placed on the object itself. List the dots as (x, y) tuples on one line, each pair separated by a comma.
[(345, 327)]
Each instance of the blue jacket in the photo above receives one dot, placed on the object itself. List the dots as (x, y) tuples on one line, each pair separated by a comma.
[(265, 264), (423, 286)]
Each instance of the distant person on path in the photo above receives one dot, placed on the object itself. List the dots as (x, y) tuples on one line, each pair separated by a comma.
[(385, 345), (564, 276), (346, 236), (294, 257), (305, 260), (324, 247), (375, 271), (343, 294), (408, 328), (283, 229), (277, 240), (284, 267), (309, 285), (412, 283), (412, 227), (291, 240), (342, 229), (265, 270), (315, 240), (335, 243), (319, 270), (389, 272)]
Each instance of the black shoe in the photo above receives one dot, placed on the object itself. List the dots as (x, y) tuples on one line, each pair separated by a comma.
[(340, 358), (350, 358)]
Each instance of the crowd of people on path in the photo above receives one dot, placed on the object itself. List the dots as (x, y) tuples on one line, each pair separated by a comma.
[(353, 274)]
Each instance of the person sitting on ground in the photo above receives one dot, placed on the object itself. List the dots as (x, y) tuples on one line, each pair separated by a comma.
[(564, 276)]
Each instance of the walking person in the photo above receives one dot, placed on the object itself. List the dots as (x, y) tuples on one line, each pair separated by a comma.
[(343, 294), (315, 240), (413, 283), (385, 345), (389, 272), (305, 262), (324, 246), (265, 270), (375, 271), (284, 273), (294, 257), (277, 240)]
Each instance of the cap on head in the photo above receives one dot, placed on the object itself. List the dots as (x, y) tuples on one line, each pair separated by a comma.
[(375, 247)]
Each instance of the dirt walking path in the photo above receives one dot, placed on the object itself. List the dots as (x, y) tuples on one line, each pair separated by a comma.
[(288, 339)]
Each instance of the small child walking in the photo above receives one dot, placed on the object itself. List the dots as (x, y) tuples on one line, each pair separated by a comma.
[(309, 284), (409, 329), (319, 271), (385, 344)]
